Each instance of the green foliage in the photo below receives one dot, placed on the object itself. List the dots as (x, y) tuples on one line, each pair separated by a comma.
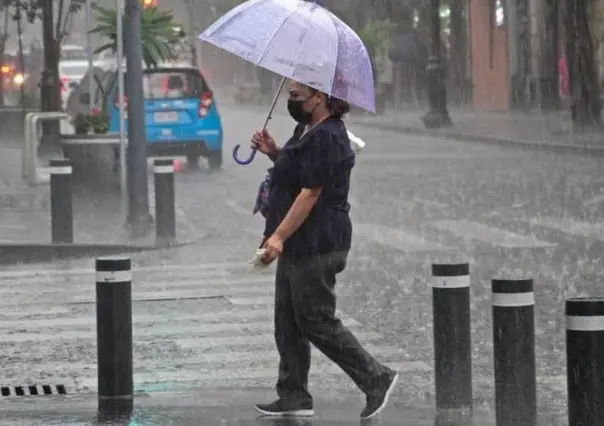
[(97, 122), (159, 36)]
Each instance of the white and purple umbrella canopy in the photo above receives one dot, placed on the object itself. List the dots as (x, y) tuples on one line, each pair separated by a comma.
[(299, 40)]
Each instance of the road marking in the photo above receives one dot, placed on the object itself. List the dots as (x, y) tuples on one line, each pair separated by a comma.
[(399, 239), (469, 230), (431, 203), (595, 201), (571, 226), (203, 343), (197, 373), (18, 272)]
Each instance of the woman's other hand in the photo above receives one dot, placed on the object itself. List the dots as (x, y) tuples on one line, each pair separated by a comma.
[(264, 142)]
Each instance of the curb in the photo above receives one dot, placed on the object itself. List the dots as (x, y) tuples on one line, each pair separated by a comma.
[(24, 253), (461, 137)]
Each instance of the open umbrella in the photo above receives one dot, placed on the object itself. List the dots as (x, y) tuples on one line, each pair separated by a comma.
[(299, 40)]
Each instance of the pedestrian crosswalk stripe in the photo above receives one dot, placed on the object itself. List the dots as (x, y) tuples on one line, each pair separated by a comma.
[(28, 272), (469, 230), (74, 287), (570, 226), (396, 238), (251, 300), (90, 320), (46, 336), (148, 334), (268, 357), (267, 373), (137, 276)]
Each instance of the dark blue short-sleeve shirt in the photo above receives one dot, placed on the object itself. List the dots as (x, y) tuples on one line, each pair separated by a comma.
[(323, 158)]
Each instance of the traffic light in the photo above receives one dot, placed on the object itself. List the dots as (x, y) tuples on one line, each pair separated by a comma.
[(149, 3)]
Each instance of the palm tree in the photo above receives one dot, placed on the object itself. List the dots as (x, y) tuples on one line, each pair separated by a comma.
[(159, 33)]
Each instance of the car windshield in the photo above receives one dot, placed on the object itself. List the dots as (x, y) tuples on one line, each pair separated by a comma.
[(172, 84), (74, 70)]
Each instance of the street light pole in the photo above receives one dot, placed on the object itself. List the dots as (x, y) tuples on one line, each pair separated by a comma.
[(139, 220), (438, 115)]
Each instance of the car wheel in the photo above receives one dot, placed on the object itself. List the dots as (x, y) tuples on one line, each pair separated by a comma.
[(215, 160), (192, 161)]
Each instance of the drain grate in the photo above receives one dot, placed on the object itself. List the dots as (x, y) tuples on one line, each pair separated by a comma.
[(33, 390)]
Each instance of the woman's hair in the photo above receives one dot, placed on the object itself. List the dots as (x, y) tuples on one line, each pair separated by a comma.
[(337, 107)]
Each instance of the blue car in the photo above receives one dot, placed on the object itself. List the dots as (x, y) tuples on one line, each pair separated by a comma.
[(181, 115)]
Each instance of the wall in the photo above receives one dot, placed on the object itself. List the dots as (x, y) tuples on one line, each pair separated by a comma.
[(489, 53)]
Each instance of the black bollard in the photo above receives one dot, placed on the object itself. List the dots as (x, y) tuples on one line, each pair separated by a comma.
[(165, 216), (452, 340), (61, 204), (114, 337), (585, 360), (514, 352)]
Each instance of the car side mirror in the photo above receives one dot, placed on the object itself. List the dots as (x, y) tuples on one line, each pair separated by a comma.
[(85, 98)]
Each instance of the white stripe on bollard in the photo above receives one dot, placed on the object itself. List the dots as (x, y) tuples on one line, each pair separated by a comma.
[(113, 276), (462, 281), (513, 299), (587, 323), (63, 170), (163, 169)]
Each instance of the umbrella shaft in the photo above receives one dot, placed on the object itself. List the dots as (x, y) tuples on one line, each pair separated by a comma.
[(270, 111)]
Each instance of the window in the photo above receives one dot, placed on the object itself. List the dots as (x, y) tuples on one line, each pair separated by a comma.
[(171, 84)]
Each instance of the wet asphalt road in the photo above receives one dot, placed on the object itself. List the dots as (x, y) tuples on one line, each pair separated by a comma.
[(415, 200)]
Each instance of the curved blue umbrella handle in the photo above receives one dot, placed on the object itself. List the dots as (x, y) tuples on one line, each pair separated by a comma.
[(243, 162)]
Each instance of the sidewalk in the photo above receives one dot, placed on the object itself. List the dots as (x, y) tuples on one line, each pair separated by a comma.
[(98, 218), (529, 129)]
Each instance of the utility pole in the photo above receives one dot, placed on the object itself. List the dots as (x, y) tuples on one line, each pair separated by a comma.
[(50, 143), (438, 115), (138, 220)]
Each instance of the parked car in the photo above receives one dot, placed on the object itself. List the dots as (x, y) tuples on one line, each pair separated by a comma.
[(181, 114)]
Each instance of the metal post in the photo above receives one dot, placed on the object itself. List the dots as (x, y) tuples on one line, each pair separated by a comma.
[(114, 337), (61, 205), (91, 75), (139, 219), (165, 216), (514, 352), (452, 340), (119, 7), (438, 115), (585, 358)]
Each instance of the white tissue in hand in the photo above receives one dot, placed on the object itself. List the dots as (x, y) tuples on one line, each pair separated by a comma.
[(257, 260), (357, 143)]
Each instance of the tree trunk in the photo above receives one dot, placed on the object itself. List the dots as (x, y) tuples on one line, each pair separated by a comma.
[(584, 88)]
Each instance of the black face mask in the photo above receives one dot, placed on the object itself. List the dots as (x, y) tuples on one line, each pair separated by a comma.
[(296, 110)]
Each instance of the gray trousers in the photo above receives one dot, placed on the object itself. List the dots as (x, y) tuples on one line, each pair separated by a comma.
[(305, 304)]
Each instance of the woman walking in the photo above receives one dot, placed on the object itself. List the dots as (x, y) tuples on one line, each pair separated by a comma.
[(308, 231)]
